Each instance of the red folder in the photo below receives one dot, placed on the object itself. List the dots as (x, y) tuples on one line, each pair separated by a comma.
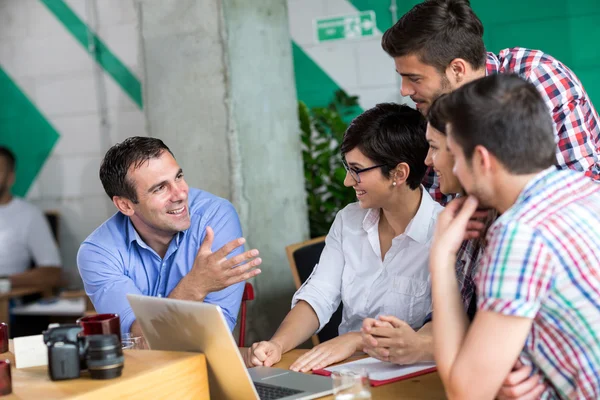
[(379, 382)]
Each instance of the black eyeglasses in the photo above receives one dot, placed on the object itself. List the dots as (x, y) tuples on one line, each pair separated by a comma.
[(354, 173)]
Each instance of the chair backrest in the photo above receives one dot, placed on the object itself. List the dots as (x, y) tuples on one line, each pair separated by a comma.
[(302, 258), (53, 218)]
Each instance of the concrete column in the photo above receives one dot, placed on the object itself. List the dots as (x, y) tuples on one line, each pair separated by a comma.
[(219, 90)]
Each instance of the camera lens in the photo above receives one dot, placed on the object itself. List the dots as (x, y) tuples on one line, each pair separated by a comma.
[(104, 356)]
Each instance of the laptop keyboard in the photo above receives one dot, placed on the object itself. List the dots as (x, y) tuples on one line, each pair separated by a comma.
[(270, 392)]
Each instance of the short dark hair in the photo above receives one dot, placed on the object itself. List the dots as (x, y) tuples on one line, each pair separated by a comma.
[(134, 151), (9, 156), (435, 116), (438, 31), (390, 134), (506, 115)]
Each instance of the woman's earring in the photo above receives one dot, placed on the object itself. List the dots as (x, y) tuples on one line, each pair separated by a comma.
[(394, 183)]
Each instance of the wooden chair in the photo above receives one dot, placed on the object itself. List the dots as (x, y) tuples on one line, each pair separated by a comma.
[(247, 296), (302, 258), (53, 218)]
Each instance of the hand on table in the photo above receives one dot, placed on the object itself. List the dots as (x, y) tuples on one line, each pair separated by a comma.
[(327, 353), (519, 385), (264, 353), (391, 339)]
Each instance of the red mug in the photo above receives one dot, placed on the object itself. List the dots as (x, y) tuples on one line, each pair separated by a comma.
[(5, 378), (3, 337), (101, 324)]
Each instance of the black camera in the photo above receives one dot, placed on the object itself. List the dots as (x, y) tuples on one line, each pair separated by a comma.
[(69, 354)]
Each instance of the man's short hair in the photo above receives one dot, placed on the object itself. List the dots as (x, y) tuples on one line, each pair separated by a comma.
[(506, 115), (133, 151), (390, 134), (9, 156), (438, 31), (435, 117)]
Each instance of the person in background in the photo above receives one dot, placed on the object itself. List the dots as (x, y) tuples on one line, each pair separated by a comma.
[(376, 252), (382, 337), (538, 281), (26, 239), (165, 240), (438, 46)]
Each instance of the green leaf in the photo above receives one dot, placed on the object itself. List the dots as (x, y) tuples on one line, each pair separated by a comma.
[(322, 130)]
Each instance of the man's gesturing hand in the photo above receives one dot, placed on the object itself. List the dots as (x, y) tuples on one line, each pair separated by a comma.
[(212, 272)]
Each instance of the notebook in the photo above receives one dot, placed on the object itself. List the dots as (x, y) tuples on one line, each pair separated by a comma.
[(381, 372)]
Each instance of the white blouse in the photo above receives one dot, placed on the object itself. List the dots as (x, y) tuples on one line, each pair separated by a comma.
[(351, 270)]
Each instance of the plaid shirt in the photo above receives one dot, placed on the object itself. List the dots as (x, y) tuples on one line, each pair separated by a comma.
[(542, 262), (576, 121), (467, 260)]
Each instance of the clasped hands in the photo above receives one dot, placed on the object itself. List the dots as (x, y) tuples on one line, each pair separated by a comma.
[(393, 340)]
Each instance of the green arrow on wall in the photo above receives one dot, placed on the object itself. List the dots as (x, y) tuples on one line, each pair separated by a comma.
[(25, 131)]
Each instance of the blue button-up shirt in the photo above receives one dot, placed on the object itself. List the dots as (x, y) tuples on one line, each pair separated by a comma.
[(114, 260)]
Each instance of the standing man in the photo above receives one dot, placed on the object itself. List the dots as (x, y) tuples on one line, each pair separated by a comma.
[(539, 279), (438, 46), (25, 235), (165, 240)]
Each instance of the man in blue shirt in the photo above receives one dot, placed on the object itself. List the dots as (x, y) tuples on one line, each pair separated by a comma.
[(166, 239)]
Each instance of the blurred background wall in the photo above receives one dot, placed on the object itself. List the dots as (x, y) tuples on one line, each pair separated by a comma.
[(218, 81), (61, 110), (568, 30)]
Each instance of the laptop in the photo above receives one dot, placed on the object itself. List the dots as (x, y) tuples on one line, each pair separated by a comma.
[(181, 325)]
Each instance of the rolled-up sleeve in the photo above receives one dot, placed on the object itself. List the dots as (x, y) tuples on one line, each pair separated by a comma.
[(226, 225), (322, 289), (105, 282)]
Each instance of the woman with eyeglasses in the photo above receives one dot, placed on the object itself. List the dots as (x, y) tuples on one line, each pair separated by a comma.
[(375, 259), (524, 380)]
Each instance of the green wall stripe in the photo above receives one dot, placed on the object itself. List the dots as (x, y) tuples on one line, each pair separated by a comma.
[(383, 15), (25, 131), (510, 24), (105, 58), (315, 88)]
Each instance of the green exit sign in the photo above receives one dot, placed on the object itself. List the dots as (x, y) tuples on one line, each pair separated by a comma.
[(346, 27)]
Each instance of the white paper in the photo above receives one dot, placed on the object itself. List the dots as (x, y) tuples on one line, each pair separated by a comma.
[(75, 307), (380, 370), (30, 351)]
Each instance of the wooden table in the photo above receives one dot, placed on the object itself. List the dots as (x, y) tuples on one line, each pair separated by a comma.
[(424, 387), (146, 375)]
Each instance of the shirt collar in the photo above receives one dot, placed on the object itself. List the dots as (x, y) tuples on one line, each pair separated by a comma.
[(418, 227), (492, 65), (371, 219), (536, 184), (133, 235)]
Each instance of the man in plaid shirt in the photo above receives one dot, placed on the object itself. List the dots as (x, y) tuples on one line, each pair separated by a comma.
[(539, 278), (438, 47)]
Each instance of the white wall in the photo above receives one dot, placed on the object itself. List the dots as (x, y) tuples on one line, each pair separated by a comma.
[(84, 104), (359, 66)]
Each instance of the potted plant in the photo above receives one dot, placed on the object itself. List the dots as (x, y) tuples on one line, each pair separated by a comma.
[(322, 131)]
